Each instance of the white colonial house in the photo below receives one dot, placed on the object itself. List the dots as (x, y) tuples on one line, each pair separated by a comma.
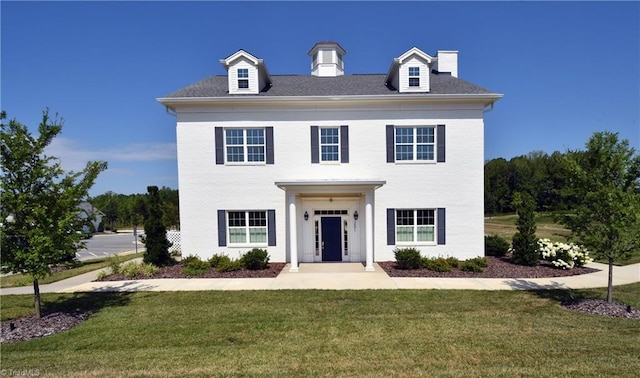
[(330, 166)]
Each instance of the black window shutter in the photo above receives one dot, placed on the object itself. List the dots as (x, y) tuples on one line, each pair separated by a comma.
[(315, 145), (219, 136), (441, 219), (269, 142), (344, 144), (222, 228), (440, 144), (271, 226), (391, 226), (390, 144)]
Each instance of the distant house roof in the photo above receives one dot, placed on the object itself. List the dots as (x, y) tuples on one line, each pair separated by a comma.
[(346, 85)]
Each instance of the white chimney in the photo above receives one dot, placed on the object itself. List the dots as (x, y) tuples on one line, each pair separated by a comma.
[(447, 61), (327, 59)]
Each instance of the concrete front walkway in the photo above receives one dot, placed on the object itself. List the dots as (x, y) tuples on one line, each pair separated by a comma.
[(336, 276)]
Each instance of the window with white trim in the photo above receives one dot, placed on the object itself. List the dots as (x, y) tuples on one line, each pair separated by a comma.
[(330, 144), (414, 76), (415, 143), (245, 145), (415, 226), (243, 78), (247, 227)]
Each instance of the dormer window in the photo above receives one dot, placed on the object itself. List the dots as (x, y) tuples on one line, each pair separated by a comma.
[(243, 78), (414, 76)]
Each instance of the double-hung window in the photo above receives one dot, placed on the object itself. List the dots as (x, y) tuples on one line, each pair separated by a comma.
[(243, 78), (245, 145), (330, 144), (247, 227), (415, 143), (414, 76), (415, 226)]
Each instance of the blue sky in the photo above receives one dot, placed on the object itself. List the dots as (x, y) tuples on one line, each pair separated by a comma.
[(566, 69)]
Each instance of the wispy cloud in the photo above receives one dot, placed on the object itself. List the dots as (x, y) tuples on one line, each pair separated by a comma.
[(74, 155)]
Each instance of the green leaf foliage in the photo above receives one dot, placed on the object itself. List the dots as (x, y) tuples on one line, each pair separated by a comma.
[(156, 243), (525, 242), (39, 212)]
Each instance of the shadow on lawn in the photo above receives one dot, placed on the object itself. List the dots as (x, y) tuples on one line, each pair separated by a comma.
[(555, 291), (83, 302)]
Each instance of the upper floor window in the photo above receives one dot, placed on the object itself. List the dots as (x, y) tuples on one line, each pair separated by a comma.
[(415, 226), (414, 76), (245, 145), (330, 144), (243, 78), (415, 143)]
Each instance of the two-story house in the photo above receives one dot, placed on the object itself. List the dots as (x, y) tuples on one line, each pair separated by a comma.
[(331, 166)]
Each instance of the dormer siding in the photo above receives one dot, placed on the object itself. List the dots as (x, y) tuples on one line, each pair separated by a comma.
[(408, 77), (235, 85)]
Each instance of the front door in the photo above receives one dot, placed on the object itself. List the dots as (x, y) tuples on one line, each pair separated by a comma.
[(331, 249)]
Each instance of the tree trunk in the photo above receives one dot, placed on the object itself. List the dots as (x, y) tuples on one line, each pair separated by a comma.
[(36, 297), (610, 282)]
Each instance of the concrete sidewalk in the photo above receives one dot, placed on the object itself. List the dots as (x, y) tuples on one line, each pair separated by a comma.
[(343, 276)]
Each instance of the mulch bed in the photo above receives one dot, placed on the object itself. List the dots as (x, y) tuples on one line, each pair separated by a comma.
[(29, 327), (499, 267), (175, 271)]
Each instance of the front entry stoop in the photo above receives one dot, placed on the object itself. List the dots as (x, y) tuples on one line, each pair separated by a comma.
[(331, 267)]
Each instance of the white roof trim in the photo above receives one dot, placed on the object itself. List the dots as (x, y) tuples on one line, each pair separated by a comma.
[(240, 53), (414, 51), (328, 184)]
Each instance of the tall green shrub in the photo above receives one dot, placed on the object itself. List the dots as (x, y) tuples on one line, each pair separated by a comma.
[(525, 242), (156, 242)]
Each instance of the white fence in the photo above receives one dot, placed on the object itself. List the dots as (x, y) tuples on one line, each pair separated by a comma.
[(174, 239)]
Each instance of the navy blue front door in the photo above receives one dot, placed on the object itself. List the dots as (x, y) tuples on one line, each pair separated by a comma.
[(331, 250)]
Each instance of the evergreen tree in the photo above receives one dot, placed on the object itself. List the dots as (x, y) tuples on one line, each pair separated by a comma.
[(525, 242), (156, 242)]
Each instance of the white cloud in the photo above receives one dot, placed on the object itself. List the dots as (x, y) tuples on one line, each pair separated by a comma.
[(74, 155)]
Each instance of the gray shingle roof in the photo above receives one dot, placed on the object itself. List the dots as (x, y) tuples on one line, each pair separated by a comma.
[(346, 85)]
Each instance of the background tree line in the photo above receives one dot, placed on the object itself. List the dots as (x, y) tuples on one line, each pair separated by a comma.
[(546, 178), (121, 210)]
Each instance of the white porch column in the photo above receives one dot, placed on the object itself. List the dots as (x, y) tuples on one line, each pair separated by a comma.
[(368, 213), (293, 235)]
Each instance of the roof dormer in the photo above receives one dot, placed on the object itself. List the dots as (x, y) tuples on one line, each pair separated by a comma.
[(409, 73), (246, 73), (327, 59)]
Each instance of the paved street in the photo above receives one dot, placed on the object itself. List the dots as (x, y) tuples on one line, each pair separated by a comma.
[(103, 245)]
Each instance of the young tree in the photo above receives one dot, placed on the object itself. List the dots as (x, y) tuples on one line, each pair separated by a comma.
[(39, 201), (525, 242), (156, 242), (606, 185)]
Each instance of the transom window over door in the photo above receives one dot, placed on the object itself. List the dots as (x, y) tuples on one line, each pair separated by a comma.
[(330, 144), (247, 227), (415, 143), (415, 225), (243, 78), (245, 145)]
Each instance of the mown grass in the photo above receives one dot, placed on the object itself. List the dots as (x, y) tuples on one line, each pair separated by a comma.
[(332, 333), (19, 279)]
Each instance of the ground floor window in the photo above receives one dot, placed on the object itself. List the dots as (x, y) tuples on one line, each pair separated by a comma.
[(247, 227), (415, 225)]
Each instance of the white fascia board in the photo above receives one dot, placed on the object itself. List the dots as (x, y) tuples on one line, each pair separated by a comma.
[(320, 186), (226, 62), (415, 51), (486, 98)]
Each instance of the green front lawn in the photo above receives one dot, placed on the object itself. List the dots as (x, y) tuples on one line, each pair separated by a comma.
[(376, 333)]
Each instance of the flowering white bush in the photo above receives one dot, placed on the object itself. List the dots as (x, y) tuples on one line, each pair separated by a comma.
[(563, 255)]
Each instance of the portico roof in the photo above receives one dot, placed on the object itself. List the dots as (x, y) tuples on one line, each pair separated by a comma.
[(324, 186)]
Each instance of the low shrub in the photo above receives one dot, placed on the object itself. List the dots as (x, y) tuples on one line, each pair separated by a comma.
[(195, 267), (148, 270), (563, 255), (407, 258), (495, 245), (476, 264), (228, 265), (255, 259), (439, 264), (216, 259), (114, 264), (186, 260)]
